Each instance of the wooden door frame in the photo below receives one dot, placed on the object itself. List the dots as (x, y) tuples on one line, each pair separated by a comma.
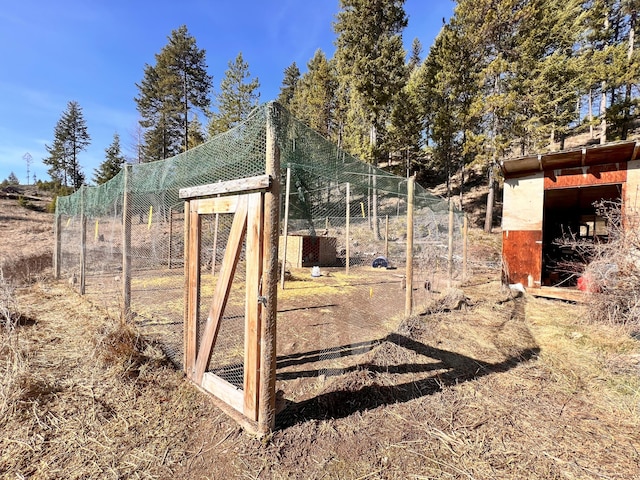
[(245, 199)]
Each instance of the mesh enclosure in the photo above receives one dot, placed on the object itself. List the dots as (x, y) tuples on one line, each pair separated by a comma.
[(342, 212)]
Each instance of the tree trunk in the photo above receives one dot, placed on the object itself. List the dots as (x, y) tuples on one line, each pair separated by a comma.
[(590, 114), (603, 114), (627, 93), (488, 220)]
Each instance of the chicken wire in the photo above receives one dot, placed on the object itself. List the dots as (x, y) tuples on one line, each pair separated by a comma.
[(332, 194)]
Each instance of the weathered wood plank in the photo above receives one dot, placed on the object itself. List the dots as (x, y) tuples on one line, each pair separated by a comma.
[(558, 293), (207, 206), (223, 287), (260, 182), (253, 306), (228, 393), (192, 252)]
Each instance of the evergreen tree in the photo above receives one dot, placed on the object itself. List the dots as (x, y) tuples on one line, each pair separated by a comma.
[(196, 133), (445, 86), (70, 138), (370, 65), (415, 55), (289, 84), (176, 85), (313, 100), (12, 179), (112, 164), (237, 98)]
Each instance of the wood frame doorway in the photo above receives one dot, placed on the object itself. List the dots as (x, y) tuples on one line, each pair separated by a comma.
[(251, 401)]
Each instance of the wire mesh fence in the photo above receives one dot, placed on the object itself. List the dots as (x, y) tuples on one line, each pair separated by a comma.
[(343, 250)]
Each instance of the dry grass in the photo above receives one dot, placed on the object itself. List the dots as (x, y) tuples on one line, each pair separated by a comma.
[(89, 398), (499, 389)]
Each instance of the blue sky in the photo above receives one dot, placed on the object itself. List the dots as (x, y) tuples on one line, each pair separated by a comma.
[(94, 52)]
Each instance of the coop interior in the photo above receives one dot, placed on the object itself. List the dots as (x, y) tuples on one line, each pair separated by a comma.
[(571, 225)]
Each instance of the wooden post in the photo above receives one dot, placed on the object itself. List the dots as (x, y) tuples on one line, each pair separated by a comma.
[(347, 233), (450, 255), (267, 393), (192, 246), (214, 248), (285, 232), (83, 242), (126, 246), (170, 236), (408, 305), (57, 246), (465, 239), (386, 237)]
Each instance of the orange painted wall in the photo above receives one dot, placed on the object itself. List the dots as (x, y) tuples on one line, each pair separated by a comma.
[(585, 176), (522, 252)]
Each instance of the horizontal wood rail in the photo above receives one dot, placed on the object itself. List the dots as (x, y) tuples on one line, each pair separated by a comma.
[(243, 185)]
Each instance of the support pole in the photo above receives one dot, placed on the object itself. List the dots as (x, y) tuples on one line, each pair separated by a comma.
[(386, 237), (267, 392), (408, 305), (57, 246), (285, 232), (450, 255), (170, 237), (347, 233), (83, 242), (126, 246), (465, 240)]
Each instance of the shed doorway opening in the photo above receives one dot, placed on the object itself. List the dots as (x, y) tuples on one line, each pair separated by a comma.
[(570, 225)]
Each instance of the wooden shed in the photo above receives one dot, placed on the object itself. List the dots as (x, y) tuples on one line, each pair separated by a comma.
[(552, 195), (309, 251)]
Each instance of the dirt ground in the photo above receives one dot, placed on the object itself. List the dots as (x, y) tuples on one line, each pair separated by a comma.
[(476, 385)]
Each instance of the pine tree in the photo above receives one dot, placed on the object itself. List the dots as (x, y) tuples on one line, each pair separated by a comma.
[(12, 179), (112, 164), (70, 138), (237, 98), (313, 99), (196, 133), (169, 91), (415, 55), (370, 64), (445, 86), (289, 84)]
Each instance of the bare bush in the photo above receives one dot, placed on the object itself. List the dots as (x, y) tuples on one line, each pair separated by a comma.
[(612, 275)]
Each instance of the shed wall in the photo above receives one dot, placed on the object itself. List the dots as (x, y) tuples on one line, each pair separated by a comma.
[(522, 228)]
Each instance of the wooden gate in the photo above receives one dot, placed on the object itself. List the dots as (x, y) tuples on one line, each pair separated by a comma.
[(244, 201)]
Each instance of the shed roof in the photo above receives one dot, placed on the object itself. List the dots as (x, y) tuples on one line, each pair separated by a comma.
[(577, 157)]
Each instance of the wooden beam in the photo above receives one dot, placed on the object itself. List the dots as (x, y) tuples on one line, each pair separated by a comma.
[(170, 238), (285, 232), (192, 287), (83, 242), (250, 426), (218, 205), (242, 185), (253, 305), (223, 288), (57, 246), (126, 246), (347, 228), (225, 391), (267, 393), (408, 304)]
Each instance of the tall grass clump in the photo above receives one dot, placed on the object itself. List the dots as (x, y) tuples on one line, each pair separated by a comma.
[(12, 361)]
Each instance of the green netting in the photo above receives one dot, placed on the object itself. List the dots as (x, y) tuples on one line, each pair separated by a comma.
[(342, 212)]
